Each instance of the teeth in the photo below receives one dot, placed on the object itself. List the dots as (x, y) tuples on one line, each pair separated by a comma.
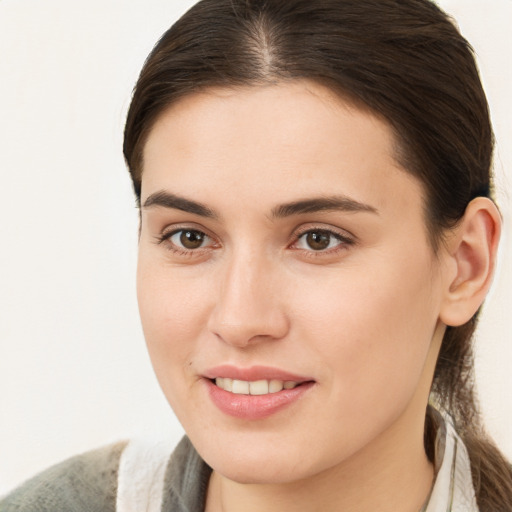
[(258, 387), (228, 384), (240, 387), (275, 385)]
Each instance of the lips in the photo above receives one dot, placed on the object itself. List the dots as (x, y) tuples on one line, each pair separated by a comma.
[(256, 392), (254, 373)]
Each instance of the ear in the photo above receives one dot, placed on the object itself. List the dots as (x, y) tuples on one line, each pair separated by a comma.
[(472, 250)]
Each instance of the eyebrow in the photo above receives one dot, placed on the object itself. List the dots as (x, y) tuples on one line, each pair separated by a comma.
[(168, 200), (321, 204), (303, 206)]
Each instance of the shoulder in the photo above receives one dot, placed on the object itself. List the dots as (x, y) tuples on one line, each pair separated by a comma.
[(136, 475), (85, 482)]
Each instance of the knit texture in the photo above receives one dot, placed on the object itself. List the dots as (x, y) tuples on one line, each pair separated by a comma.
[(84, 483)]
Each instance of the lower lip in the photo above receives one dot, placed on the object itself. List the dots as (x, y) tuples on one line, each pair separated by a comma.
[(255, 407)]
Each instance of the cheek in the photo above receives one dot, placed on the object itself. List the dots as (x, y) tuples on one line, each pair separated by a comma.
[(372, 332), (171, 299), (173, 315)]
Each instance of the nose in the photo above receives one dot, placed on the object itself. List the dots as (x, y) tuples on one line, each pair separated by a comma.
[(250, 304)]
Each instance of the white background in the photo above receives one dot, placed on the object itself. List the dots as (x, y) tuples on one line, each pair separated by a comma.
[(74, 373)]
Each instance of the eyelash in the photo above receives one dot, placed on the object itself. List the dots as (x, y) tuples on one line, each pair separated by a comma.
[(165, 238), (344, 241)]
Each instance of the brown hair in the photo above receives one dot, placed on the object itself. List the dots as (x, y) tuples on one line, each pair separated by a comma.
[(406, 62)]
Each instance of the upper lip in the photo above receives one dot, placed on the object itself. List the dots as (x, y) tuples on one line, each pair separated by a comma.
[(253, 373)]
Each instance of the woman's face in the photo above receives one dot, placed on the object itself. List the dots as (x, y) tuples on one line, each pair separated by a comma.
[(284, 251)]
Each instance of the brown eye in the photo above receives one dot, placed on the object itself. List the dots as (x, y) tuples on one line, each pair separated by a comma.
[(191, 239), (318, 240), (321, 240), (188, 239)]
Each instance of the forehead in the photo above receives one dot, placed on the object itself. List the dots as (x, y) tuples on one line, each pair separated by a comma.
[(293, 106), (295, 138)]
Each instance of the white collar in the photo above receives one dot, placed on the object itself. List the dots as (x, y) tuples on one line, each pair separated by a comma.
[(453, 489)]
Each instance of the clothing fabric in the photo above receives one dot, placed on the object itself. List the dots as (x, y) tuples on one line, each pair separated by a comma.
[(135, 476), (147, 476), (453, 489)]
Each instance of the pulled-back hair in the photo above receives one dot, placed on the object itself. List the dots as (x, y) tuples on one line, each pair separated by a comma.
[(406, 62)]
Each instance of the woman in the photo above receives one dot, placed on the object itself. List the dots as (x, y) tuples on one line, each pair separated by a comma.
[(316, 240)]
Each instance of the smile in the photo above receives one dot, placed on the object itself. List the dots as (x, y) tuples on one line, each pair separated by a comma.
[(257, 387), (254, 393)]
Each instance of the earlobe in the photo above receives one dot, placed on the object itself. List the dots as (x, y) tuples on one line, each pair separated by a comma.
[(472, 253)]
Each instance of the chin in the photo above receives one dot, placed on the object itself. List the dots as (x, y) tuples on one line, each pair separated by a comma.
[(263, 473), (260, 462)]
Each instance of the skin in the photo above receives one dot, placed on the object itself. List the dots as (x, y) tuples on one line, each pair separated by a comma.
[(362, 318)]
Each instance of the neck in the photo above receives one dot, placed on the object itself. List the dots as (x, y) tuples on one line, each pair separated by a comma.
[(391, 475)]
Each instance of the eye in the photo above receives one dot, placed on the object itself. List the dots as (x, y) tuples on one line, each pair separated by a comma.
[(187, 239), (321, 240)]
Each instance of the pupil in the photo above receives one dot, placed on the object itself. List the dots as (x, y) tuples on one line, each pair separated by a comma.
[(191, 239), (318, 240)]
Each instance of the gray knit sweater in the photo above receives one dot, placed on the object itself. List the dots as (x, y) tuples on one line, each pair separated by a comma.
[(125, 477)]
